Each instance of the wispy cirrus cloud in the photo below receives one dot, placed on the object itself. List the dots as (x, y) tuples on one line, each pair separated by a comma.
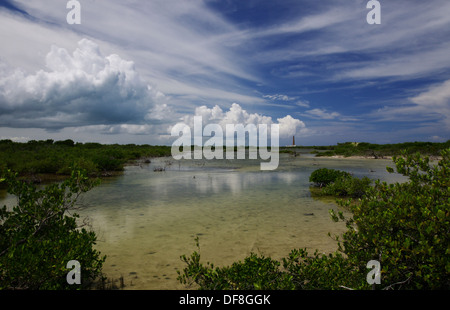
[(410, 42), (430, 107), (176, 40), (317, 60), (321, 114)]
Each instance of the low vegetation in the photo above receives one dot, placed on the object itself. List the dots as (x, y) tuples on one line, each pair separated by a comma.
[(324, 176), (41, 234), (339, 183), (57, 157), (404, 226), (382, 150)]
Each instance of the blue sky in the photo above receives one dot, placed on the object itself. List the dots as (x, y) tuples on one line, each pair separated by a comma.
[(133, 69)]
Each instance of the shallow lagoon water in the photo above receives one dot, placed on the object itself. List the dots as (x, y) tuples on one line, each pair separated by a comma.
[(145, 220)]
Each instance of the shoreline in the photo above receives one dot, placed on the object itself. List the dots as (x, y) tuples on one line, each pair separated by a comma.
[(386, 157), (358, 157), (43, 178)]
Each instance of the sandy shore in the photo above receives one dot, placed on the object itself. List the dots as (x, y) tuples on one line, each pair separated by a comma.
[(389, 157), (359, 157)]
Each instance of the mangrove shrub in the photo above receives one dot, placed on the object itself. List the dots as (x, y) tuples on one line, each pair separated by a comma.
[(324, 176), (403, 226), (40, 235)]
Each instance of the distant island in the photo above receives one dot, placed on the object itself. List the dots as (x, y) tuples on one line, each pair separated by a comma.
[(42, 160), (370, 150), (49, 159)]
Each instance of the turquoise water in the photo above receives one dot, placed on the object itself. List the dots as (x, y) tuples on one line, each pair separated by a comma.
[(145, 220)]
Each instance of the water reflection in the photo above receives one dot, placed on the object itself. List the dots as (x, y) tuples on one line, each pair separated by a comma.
[(145, 219)]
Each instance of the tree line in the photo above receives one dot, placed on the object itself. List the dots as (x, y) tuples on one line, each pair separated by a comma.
[(382, 150), (59, 157)]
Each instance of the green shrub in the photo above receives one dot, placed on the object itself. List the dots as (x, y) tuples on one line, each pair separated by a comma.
[(254, 273), (58, 157), (104, 162), (40, 235), (404, 226), (379, 150), (67, 142), (347, 187), (86, 164), (320, 271), (324, 176)]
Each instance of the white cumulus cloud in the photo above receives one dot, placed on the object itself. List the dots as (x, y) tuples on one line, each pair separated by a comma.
[(288, 125), (77, 89)]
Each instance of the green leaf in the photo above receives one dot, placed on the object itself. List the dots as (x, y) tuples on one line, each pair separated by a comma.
[(440, 214)]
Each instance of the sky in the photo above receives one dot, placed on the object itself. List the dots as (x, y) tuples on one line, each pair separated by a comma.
[(133, 69)]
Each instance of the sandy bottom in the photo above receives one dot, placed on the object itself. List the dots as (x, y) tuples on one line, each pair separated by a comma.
[(146, 220), (144, 246)]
